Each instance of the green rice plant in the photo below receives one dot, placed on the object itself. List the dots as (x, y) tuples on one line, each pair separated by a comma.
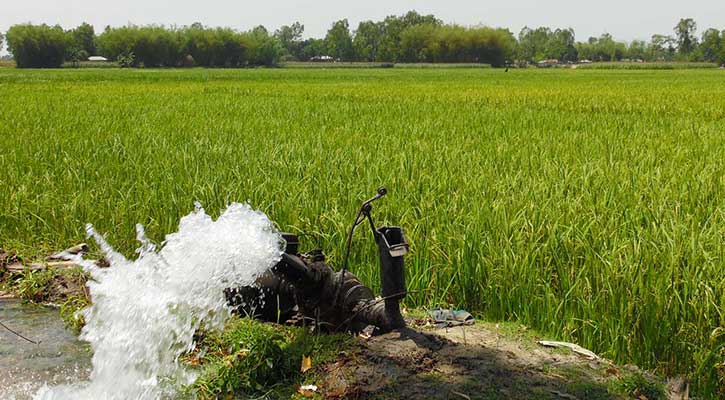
[(587, 204), (648, 65)]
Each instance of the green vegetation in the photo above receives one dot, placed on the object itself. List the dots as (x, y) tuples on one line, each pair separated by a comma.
[(252, 358), (586, 204), (408, 38), (37, 46), (357, 65), (648, 65), (70, 312), (63, 287), (41, 46), (33, 286), (91, 64), (636, 386)]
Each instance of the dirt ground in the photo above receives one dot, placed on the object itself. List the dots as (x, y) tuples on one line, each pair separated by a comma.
[(471, 362)]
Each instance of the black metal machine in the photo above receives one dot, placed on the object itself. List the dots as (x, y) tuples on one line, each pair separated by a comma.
[(304, 285)]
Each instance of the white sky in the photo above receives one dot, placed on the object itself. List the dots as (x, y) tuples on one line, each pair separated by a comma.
[(624, 19)]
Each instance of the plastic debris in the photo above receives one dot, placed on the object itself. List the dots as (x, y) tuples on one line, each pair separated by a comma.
[(445, 317), (307, 390)]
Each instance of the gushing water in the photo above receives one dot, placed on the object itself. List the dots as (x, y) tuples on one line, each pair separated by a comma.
[(145, 311)]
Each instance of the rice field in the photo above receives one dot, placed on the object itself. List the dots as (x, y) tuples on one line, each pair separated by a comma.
[(588, 204), (657, 65)]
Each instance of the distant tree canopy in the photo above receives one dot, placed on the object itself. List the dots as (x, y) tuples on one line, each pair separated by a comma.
[(382, 41), (157, 46), (338, 41), (542, 43), (151, 46), (290, 39), (37, 46), (264, 48), (409, 38), (417, 38), (82, 42), (712, 46), (686, 40), (453, 43), (603, 48)]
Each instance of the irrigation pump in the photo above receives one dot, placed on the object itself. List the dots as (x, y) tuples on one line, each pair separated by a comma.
[(302, 286)]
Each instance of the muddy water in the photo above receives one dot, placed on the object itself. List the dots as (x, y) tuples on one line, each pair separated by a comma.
[(24, 367)]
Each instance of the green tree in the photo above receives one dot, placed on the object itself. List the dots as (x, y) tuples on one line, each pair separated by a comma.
[(662, 47), (290, 38), (265, 48), (533, 43), (366, 42), (227, 48), (84, 38), (339, 41), (711, 46), (585, 50), (453, 43), (603, 48), (37, 46), (685, 32), (561, 45), (637, 50), (2, 39), (312, 48), (232, 49), (419, 43), (392, 28), (199, 46), (489, 45), (151, 46)]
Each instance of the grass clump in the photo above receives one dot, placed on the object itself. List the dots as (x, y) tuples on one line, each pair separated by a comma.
[(34, 286), (70, 312), (62, 287), (251, 358), (637, 386)]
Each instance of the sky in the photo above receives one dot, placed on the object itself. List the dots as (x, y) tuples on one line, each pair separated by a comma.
[(623, 19)]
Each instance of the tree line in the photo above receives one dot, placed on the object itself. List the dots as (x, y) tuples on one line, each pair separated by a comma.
[(543, 43), (43, 46), (410, 38)]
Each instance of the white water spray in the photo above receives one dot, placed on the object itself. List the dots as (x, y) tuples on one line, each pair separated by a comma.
[(145, 311)]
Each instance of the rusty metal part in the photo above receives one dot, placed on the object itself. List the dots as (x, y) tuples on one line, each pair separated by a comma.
[(338, 301), (301, 285)]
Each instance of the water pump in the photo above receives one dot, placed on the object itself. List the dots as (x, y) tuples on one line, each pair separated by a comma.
[(302, 286)]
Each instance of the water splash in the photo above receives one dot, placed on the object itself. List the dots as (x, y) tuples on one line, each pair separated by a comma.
[(145, 311)]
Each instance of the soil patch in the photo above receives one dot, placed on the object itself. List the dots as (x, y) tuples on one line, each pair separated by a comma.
[(472, 362)]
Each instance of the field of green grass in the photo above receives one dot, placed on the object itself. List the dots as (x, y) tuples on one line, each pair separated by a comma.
[(358, 65), (648, 65), (588, 204)]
